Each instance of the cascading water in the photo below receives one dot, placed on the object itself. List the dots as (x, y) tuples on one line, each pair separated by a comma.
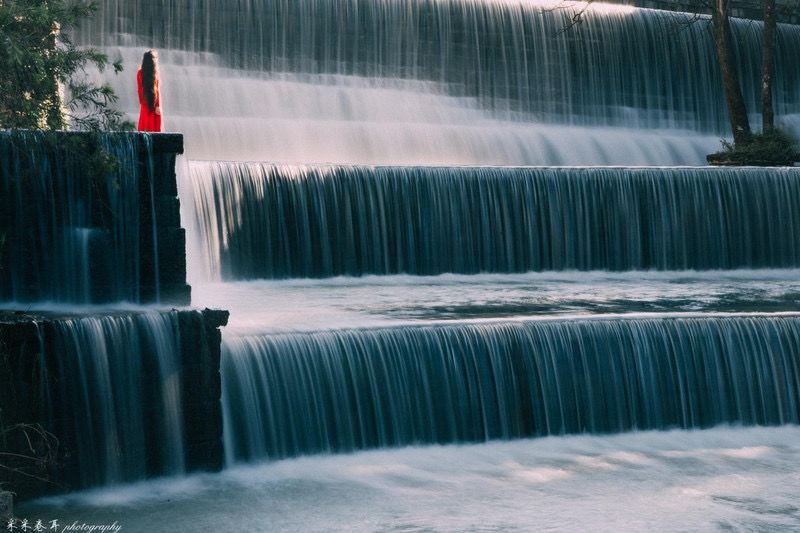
[(343, 390), (265, 221), (438, 81), (67, 236), (448, 82), (120, 389)]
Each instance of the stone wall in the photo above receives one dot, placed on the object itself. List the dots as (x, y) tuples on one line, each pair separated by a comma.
[(90, 218), (170, 235), (201, 342), (32, 381)]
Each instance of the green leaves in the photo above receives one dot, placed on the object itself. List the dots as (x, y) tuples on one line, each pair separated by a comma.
[(47, 84), (771, 148)]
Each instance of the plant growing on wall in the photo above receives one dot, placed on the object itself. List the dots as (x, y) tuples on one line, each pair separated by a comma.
[(43, 84)]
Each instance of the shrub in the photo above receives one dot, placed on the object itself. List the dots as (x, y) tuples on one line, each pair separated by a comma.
[(770, 149), (43, 83)]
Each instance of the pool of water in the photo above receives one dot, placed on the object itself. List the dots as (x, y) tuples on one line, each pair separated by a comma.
[(719, 479), (306, 304)]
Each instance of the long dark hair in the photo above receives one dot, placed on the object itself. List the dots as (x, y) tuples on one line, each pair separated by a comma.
[(150, 78)]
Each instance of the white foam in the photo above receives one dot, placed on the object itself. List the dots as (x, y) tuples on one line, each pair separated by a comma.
[(675, 480)]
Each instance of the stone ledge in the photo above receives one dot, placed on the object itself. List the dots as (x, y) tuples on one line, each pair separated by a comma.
[(72, 194), (29, 374)]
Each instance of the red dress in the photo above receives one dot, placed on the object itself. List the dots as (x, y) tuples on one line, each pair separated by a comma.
[(148, 120)]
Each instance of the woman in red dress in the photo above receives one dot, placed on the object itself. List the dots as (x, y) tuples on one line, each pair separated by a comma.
[(149, 93)]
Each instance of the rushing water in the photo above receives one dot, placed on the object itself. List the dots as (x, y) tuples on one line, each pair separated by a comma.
[(342, 390), (719, 479), (438, 81), (265, 221), (119, 391), (379, 307), (68, 236)]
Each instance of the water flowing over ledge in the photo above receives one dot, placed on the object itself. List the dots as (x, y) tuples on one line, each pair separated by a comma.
[(272, 221), (128, 395), (88, 218), (137, 394), (342, 390), (438, 81)]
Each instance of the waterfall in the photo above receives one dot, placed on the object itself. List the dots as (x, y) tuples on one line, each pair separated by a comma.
[(266, 221), (119, 394), (342, 390), (438, 81), (69, 233)]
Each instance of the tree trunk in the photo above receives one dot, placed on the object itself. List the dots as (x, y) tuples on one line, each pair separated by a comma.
[(55, 117), (723, 39), (768, 65)]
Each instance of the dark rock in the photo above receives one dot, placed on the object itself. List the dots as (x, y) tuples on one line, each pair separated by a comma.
[(71, 195), (31, 381)]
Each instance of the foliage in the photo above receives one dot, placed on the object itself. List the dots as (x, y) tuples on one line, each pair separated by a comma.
[(95, 161), (772, 148), (43, 73)]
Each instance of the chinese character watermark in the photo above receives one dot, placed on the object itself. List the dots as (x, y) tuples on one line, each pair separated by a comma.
[(23, 525)]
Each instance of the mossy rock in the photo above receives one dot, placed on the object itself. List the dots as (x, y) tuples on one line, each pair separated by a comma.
[(723, 159), (774, 148)]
